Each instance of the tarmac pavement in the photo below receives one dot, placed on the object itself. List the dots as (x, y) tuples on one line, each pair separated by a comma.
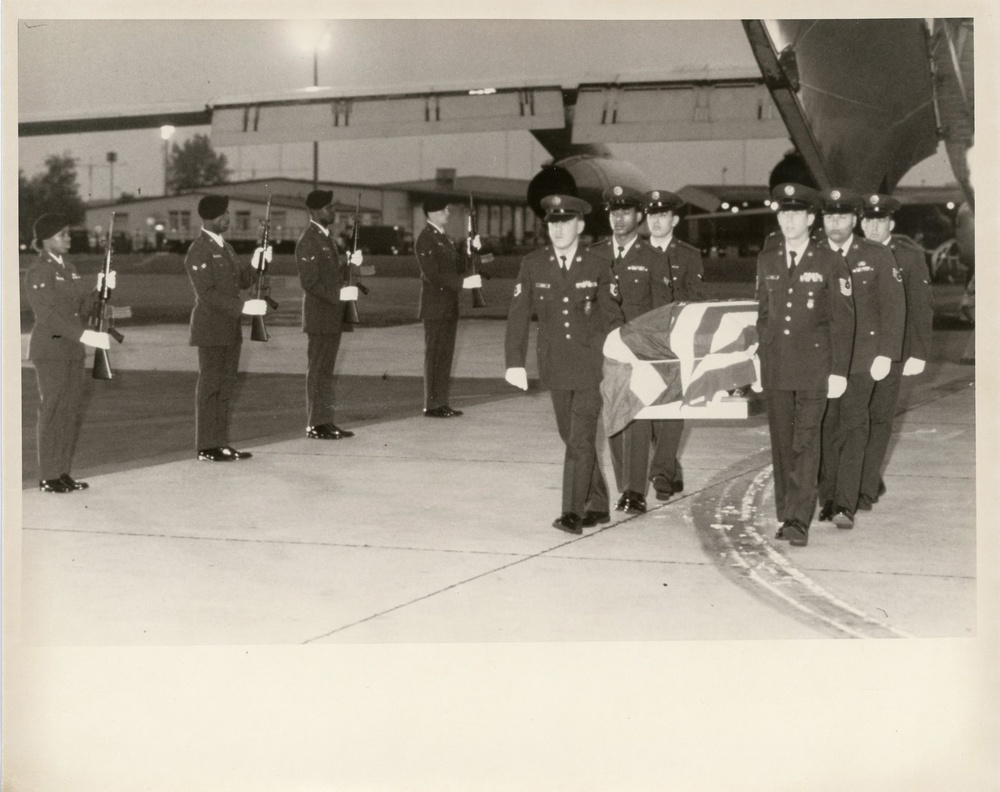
[(428, 531)]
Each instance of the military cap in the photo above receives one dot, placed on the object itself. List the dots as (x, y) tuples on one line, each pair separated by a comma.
[(435, 203), (878, 205), (794, 196), (48, 225), (212, 206), (622, 196), (838, 201), (562, 207), (317, 199), (659, 201)]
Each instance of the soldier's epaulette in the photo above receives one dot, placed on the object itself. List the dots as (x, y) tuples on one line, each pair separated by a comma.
[(599, 243), (687, 246)]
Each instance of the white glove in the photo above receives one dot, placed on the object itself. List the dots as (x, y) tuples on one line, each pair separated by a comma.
[(880, 367), (356, 258), (111, 280), (517, 377), (348, 293), (254, 308), (94, 339), (259, 253), (835, 386), (913, 366), (473, 282), (477, 242)]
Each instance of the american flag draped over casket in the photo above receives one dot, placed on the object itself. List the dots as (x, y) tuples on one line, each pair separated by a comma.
[(682, 352)]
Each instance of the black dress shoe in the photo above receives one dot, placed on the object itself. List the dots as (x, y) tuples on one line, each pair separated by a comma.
[(826, 513), (337, 432), (622, 502), (72, 483), (450, 413), (865, 503), (592, 518), (327, 432), (570, 523), (843, 518), (797, 532), (215, 455), (236, 454), (665, 488), (54, 485), (636, 503), (437, 412), (780, 533)]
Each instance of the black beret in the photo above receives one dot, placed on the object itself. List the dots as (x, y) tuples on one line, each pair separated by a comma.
[(212, 206), (622, 196), (794, 196), (561, 207), (877, 205), (659, 201), (435, 203), (838, 201), (49, 225), (317, 199)]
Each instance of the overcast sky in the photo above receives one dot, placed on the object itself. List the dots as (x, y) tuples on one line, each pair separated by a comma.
[(69, 68)]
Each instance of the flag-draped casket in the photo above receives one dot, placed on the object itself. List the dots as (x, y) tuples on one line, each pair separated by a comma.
[(679, 361)]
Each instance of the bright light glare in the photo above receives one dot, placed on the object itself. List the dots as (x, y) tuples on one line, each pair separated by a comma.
[(482, 91), (167, 132), (310, 35)]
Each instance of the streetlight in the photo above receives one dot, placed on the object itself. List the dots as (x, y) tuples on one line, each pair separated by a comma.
[(314, 36), (112, 159), (166, 132)]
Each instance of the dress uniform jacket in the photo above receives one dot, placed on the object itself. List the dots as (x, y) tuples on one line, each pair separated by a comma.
[(805, 320), (641, 277), (919, 302), (217, 277), (686, 271), (58, 300), (879, 303), (440, 274), (321, 275), (575, 312)]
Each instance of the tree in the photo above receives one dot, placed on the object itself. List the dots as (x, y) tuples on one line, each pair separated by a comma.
[(53, 191), (195, 164)]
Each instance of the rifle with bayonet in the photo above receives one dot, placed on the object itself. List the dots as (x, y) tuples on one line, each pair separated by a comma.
[(350, 316), (474, 260), (102, 319), (258, 328)]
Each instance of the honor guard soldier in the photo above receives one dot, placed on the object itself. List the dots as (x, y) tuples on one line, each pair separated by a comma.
[(317, 259), (441, 282), (56, 349), (686, 275), (570, 290), (879, 320), (642, 282), (877, 223), (805, 326), (217, 277)]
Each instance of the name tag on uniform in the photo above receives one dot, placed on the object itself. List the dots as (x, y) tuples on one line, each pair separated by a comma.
[(772, 277), (588, 284), (543, 285), (637, 267), (810, 277)]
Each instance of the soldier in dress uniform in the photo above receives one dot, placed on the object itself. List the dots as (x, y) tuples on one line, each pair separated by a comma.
[(570, 290), (642, 282), (317, 258), (217, 276), (686, 274), (58, 301), (877, 223), (879, 319), (805, 325), (442, 279)]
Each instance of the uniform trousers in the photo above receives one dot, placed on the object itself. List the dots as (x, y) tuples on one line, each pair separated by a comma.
[(60, 392), (845, 435), (630, 456), (795, 419), (217, 371), (882, 410), (577, 413), (439, 350), (667, 442), (321, 357)]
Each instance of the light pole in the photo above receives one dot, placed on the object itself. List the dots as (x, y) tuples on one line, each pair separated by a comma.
[(112, 159), (316, 142), (166, 132)]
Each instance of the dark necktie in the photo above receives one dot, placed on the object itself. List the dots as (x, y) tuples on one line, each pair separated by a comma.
[(791, 258)]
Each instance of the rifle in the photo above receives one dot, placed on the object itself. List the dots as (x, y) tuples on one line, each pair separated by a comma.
[(101, 319), (258, 329), (473, 258), (350, 316)]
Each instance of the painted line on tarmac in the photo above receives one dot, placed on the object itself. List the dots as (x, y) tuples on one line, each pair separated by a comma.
[(732, 530)]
